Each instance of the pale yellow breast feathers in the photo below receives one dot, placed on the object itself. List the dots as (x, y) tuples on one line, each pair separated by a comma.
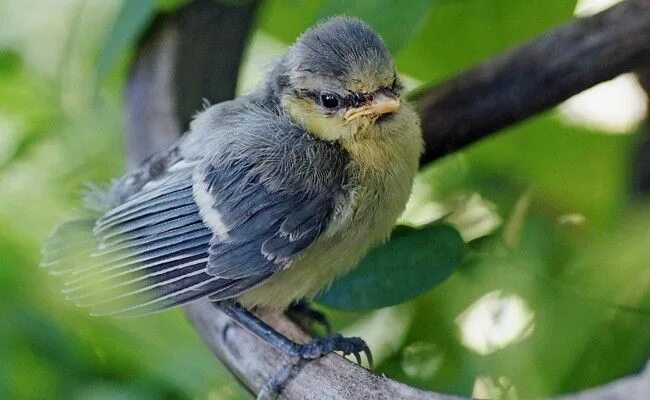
[(381, 171)]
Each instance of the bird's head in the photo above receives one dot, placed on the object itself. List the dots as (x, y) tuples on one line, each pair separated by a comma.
[(339, 81)]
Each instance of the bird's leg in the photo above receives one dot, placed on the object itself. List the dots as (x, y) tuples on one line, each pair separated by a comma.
[(258, 327), (300, 311), (314, 349), (309, 351)]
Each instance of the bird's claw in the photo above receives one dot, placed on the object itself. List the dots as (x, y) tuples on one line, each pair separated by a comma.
[(301, 310), (336, 342), (313, 350)]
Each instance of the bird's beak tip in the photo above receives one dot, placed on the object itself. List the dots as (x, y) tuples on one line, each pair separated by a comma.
[(385, 104), (382, 104)]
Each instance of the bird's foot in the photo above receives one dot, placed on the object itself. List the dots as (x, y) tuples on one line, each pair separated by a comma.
[(310, 351), (301, 313), (335, 342), (300, 353)]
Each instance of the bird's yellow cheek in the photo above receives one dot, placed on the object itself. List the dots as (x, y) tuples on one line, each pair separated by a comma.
[(326, 127)]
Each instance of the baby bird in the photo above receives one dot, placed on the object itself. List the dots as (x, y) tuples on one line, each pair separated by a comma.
[(265, 200)]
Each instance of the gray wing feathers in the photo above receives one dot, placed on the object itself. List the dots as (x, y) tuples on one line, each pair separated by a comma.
[(273, 193), (267, 228), (152, 252), (147, 254), (274, 188), (165, 202), (301, 227)]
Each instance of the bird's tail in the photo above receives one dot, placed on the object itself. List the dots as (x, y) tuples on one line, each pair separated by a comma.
[(69, 245), (128, 275)]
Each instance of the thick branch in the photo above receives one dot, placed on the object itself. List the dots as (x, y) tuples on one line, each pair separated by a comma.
[(195, 53), (254, 362), (534, 77), (184, 59)]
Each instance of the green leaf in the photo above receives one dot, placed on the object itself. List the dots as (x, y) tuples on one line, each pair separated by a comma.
[(286, 19), (412, 262), (171, 5), (397, 24), (131, 20), (459, 34)]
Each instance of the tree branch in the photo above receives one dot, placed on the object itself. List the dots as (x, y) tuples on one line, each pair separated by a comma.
[(254, 362), (534, 77), (184, 58), (195, 53)]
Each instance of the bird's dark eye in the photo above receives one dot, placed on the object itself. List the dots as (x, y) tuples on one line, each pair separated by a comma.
[(329, 100)]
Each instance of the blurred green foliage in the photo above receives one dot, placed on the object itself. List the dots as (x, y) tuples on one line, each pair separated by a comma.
[(551, 297)]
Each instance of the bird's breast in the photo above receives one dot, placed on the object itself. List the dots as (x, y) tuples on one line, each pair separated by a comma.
[(380, 175)]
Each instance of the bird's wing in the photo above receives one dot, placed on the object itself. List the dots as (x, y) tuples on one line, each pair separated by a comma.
[(160, 248), (258, 229), (146, 254)]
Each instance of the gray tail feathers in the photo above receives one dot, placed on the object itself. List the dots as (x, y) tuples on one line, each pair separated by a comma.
[(69, 246), (132, 274), (150, 267)]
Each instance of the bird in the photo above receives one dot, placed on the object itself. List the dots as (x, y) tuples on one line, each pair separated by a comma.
[(264, 201)]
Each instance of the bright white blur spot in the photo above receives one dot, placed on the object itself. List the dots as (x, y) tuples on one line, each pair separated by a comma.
[(590, 7), (572, 219), (495, 321), (420, 209), (421, 360), (471, 214), (615, 106), (487, 388), (384, 330), (474, 217)]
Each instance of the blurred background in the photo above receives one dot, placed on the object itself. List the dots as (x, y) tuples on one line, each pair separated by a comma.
[(552, 297)]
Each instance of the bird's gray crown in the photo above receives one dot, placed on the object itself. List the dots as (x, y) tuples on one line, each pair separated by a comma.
[(341, 48)]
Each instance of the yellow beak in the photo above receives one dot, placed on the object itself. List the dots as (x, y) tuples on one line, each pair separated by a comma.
[(381, 104)]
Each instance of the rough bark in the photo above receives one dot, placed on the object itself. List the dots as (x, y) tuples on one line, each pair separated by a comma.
[(195, 53)]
